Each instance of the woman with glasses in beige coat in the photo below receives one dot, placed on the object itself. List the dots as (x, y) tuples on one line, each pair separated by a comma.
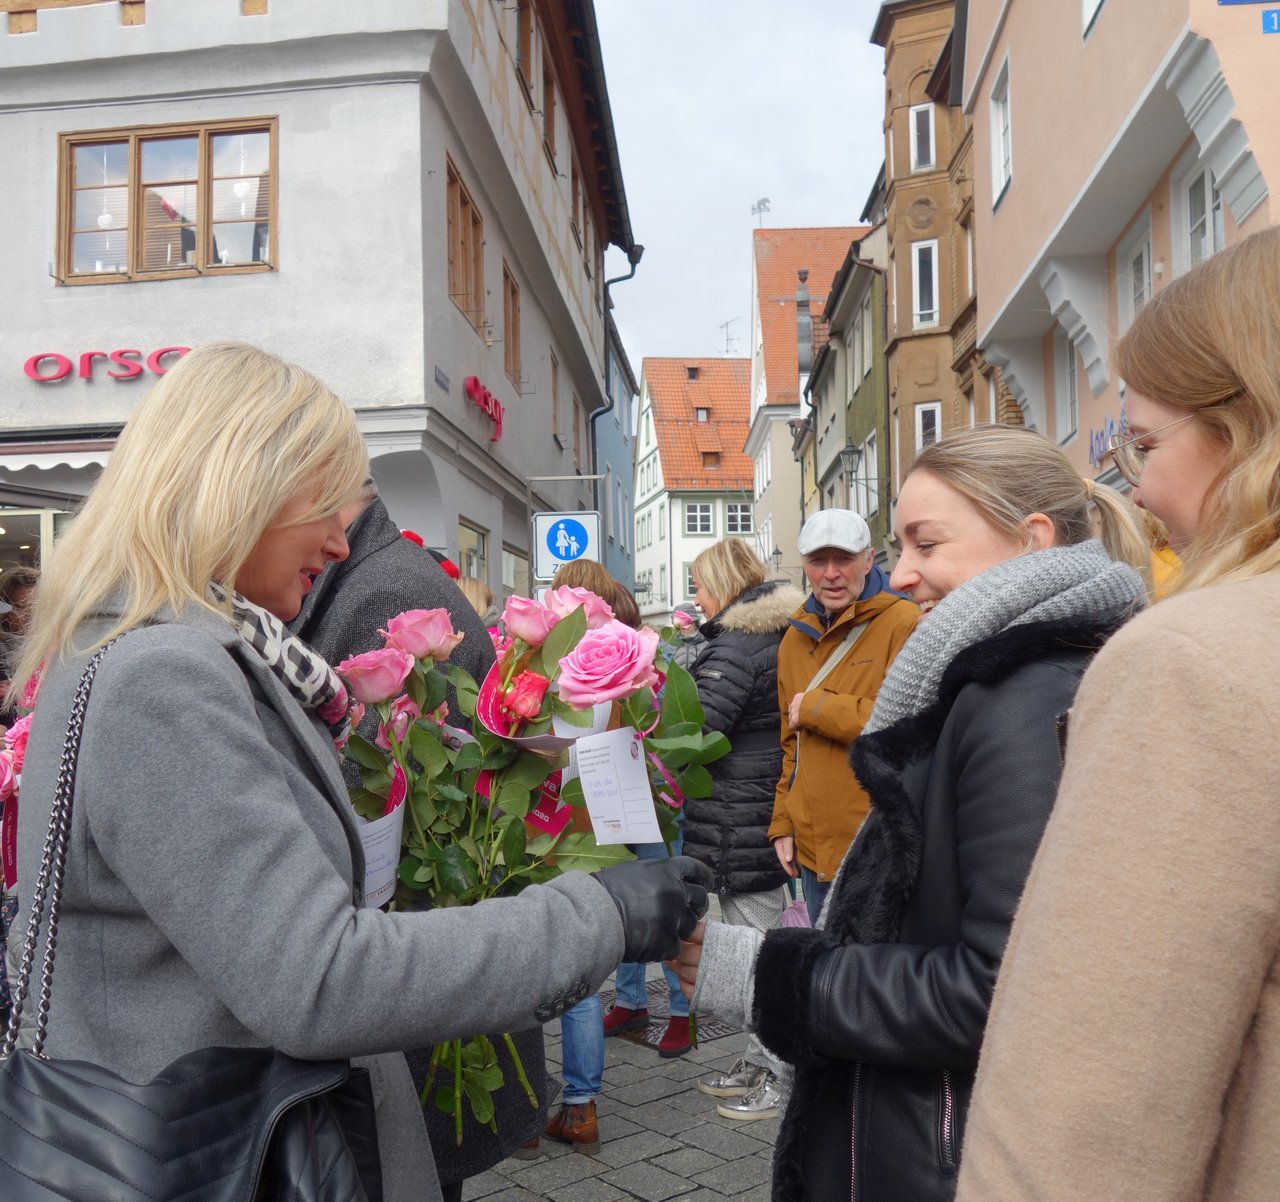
[(1133, 1046)]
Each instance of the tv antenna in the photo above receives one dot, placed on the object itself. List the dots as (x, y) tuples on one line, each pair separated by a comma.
[(728, 338), (759, 209)]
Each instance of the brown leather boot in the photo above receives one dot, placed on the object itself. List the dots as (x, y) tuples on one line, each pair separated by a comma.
[(575, 1123)]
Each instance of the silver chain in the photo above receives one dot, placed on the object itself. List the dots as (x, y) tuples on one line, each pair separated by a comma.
[(49, 881)]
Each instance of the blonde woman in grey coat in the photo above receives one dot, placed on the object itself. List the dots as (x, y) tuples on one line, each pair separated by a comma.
[(212, 892)]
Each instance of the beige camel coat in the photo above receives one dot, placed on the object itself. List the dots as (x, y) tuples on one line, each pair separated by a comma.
[(1133, 1048)]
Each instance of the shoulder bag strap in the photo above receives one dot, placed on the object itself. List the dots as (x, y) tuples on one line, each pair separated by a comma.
[(48, 886), (834, 659)]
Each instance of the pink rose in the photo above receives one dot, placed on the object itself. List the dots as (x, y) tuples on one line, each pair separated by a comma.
[(608, 663), (683, 622), (15, 739), (524, 697), (356, 714), (499, 640), (564, 600), (376, 675), (404, 713), (28, 699), (8, 777), (423, 633), (528, 621)]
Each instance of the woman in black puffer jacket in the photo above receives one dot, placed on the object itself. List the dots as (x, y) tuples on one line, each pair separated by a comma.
[(737, 678)]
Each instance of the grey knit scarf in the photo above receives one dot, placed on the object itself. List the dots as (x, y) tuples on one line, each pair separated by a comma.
[(1056, 584)]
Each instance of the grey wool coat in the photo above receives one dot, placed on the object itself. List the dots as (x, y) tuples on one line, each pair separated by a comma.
[(350, 603), (212, 886)]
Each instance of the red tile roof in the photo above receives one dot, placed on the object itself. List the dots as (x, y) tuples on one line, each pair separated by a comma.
[(724, 387), (779, 255)]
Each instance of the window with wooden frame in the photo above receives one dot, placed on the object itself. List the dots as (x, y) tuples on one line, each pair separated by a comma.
[(548, 108), (511, 325), (153, 202), (466, 248), (575, 198), (524, 46)]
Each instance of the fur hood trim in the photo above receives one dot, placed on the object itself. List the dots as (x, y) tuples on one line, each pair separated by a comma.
[(761, 610)]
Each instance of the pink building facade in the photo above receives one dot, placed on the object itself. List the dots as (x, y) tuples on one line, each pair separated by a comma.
[(1116, 144)]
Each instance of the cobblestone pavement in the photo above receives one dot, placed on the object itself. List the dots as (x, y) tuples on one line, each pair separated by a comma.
[(659, 1137)]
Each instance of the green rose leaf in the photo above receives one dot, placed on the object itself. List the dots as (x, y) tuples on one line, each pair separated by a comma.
[(436, 688), (377, 783), (680, 698), (564, 637), (695, 781), (457, 871), (464, 688), (367, 755), (481, 1103), (367, 804), (572, 716), (571, 793), (579, 852), (467, 757), (424, 738), (513, 844)]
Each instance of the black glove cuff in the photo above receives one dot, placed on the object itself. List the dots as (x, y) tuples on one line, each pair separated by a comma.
[(783, 989)]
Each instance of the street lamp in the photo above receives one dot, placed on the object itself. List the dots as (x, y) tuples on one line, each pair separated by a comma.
[(777, 559), (850, 457)]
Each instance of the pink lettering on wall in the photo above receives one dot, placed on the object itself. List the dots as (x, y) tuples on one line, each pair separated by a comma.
[(49, 366), (483, 399)]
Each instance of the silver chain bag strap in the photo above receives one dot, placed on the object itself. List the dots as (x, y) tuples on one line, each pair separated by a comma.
[(215, 1125)]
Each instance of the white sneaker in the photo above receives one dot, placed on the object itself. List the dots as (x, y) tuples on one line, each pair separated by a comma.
[(763, 1102), (738, 1081)]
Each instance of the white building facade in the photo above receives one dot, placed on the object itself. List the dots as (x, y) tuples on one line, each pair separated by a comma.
[(410, 198)]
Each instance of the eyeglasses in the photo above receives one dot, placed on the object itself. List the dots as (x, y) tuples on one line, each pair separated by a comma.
[(1130, 458)]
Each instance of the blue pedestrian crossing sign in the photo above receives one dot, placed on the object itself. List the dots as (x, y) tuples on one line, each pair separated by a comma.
[(560, 538)]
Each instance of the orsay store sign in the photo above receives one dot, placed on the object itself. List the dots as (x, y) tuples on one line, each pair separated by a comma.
[(50, 366)]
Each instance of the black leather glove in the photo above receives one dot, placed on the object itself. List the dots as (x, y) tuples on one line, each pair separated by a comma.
[(660, 902)]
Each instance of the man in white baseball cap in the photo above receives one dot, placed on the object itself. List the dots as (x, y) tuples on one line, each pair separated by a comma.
[(831, 663)]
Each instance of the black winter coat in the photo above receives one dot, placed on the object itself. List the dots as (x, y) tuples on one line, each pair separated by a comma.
[(883, 1011), (737, 678)]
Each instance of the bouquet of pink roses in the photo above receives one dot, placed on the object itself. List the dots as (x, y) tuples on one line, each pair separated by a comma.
[(485, 812)]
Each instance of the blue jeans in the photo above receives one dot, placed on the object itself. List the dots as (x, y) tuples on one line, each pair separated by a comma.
[(815, 893), (582, 1028), (630, 977), (582, 1049)]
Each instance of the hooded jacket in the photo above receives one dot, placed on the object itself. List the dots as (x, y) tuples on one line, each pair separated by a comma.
[(737, 678), (818, 800)]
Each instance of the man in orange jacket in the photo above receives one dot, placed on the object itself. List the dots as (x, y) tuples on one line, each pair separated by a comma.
[(831, 663)]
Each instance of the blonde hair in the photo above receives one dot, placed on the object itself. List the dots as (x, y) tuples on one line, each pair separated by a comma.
[(1209, 345), (479, 594), (205, 464), (727, 569), (1008, 473), (1117, 521)]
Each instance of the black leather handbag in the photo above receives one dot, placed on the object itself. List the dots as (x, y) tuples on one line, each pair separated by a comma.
[(215, 1125)]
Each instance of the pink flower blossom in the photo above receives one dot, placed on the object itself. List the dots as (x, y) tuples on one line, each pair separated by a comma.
[(611, 662), (524, 697), (564, 600), (356, 714), (683, 622), (333, 710), (8, 777), (499, 640), (528, 621), (15, 739), (404, 713), (28, 699), (376, 675), (423, 633)]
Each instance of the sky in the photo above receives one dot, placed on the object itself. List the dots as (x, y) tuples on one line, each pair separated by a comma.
[(716, 105)]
